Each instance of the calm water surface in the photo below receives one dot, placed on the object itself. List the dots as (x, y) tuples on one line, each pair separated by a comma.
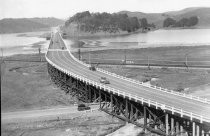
[(21, 43), (166, 36), (14, 44)]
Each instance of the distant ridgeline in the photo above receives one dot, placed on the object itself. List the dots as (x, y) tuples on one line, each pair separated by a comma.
[(18, 25), (105, 22), (184, 22)]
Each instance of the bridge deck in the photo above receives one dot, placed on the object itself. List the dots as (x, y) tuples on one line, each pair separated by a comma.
[(64, 60)]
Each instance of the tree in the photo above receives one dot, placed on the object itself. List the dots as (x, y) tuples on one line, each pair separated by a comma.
[(135, 23), (144, 23), (193, 20), (169, 22), (183, 22), (104, 22)]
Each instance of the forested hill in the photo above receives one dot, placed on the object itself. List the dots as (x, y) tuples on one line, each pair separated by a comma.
[(202, 13), (19, 25), (103, 22)]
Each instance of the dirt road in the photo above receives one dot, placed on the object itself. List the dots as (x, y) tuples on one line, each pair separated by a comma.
[(46, 114)]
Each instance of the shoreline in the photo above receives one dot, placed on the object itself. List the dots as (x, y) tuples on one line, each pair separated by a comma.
[(106, 35), (180, 28), (86, 47)]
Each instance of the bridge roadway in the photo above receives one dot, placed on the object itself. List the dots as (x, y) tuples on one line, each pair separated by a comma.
[(63, 59)]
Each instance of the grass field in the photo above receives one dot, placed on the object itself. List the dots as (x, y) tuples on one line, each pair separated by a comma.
[(187, 80), (26, 85), (175, 56)]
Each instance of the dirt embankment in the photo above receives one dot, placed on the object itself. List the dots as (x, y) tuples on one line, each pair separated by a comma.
[(26, 85), (81, 124)]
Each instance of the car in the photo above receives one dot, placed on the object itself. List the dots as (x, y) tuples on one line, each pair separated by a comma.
[(62, 48), (82, 107), (104, 80), (93, 68)]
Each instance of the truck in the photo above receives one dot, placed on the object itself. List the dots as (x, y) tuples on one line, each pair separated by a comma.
[(82, 107)]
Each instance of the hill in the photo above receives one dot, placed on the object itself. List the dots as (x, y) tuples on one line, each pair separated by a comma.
[(87, 23), (19, 25), (48, 21), (203, 13)]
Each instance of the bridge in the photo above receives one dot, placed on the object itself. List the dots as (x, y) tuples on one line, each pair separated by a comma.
[(155, 109)]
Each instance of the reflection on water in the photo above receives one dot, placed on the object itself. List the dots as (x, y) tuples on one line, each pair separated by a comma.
[(165, 36)]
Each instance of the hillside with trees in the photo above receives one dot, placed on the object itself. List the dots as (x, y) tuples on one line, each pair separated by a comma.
[(184, 22), (110, 23), (202, 13), (95, 23), (9, 25)]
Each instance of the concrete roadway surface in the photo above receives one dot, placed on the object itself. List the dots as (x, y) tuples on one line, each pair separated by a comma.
[(64, 60), (44, 114)]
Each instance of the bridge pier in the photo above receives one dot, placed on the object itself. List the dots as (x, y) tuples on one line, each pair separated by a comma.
[(166, 123), (172, 125), (198, 130), (177, 127), (145, 119), (193, 129)]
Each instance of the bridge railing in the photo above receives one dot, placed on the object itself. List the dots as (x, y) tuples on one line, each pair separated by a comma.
[(133, 96), (204, 100)]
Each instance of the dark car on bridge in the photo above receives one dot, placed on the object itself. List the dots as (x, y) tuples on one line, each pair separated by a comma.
[(82, 107), (92, 67), (104, 80)]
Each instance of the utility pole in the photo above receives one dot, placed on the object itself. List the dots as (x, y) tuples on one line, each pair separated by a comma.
[(40, 57), (186, 61), (125, 56), (79, 53), (2, 61), (89, 57), (2, 55), (148, 62), (0, 74)]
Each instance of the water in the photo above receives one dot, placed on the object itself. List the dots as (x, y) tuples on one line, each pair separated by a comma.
[(22, 43), (16, 44), (166, 36), (180, 37)]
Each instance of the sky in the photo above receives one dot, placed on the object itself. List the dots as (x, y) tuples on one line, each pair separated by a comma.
[(66, 8)]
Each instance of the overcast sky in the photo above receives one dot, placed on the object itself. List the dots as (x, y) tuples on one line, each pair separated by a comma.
[(65, 8)]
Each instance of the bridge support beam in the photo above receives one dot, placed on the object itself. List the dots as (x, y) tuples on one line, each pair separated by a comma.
[(198, 130), (111, 106), (193, 129), (177, 127), (100, 99), (145, 118), (166, 123), (172, 125), (181, 130)]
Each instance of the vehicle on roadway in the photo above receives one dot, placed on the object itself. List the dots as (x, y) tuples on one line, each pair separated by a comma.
[(62, 48), (92, 67), (104, 80), (82, 107)]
